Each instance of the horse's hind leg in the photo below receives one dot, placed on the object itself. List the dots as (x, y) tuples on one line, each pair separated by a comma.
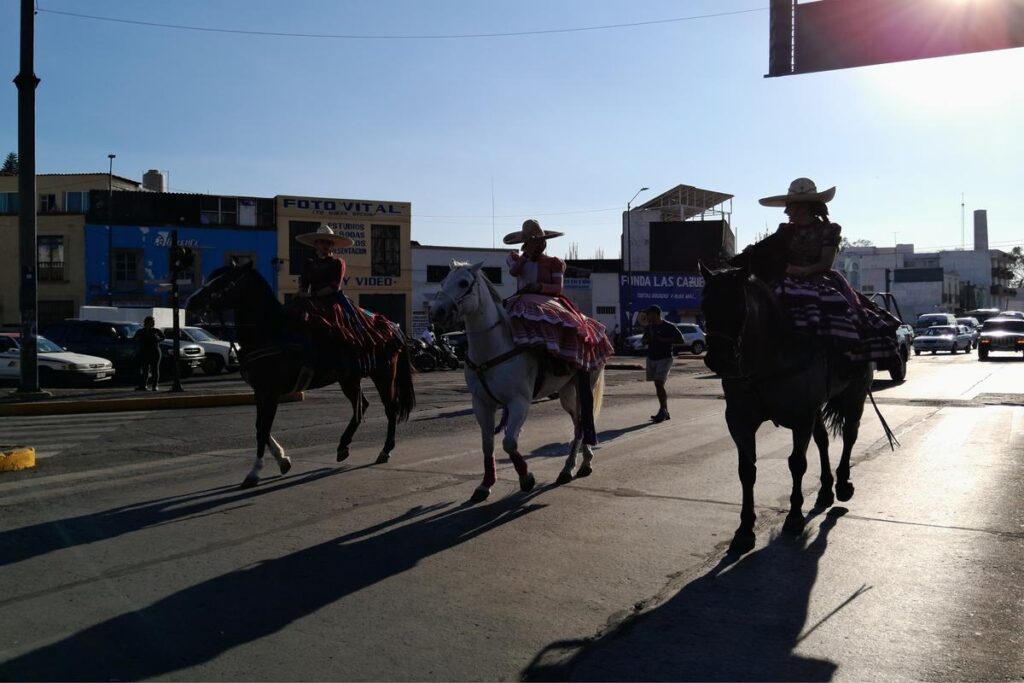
[(797, 467), (385, 381), (266, 409), (517, 411), (350, 387), (485, 418), (283, 461), (567, 397), (853, 410), (825, 497)]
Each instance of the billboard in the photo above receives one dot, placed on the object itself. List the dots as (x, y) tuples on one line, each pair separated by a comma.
[(678, 295)]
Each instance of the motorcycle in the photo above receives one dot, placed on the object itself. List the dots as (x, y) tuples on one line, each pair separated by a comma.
[(445, 355), (422, 358)]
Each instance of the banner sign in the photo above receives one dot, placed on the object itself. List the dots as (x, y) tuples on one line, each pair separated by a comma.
[(675, 293)]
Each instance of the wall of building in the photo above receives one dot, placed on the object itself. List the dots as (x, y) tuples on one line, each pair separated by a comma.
[(429, 261), (384, 291), (604, 293)]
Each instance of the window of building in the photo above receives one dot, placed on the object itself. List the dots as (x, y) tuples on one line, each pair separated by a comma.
[(386, 250), (47, 203), (76, 202), (50, 258), (9, 202), (605, 310), (493, 273), (218, 210), (437, 273), (298, 253), (127, 269)]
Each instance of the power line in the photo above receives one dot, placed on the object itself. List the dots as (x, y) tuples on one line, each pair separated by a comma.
[(440, 36), (516, 215)]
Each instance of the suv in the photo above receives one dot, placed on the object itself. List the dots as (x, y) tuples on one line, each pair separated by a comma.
[(220, 355), (926, 320), (693, 340), (1001, 334), (113, 341)]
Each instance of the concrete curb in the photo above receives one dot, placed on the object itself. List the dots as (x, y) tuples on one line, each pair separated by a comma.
[(116, 405), (13, 458)]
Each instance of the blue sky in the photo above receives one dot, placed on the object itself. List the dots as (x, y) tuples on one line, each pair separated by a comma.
[(566, 126)]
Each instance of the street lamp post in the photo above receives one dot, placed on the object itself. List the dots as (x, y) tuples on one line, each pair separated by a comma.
[(110, 231), (629, 258)]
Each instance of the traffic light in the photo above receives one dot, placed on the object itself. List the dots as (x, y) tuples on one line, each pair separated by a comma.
[(182, 259)]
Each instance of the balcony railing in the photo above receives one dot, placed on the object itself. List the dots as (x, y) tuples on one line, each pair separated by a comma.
[(51, 271)]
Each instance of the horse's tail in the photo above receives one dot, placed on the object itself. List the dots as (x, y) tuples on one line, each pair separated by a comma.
[(405, 393), (832, 415), (598, 392)]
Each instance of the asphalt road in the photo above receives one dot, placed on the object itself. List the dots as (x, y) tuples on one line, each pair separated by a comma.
[(130, 553)]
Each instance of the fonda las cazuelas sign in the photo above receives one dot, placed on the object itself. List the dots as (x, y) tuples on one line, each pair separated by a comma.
[(671, 291)]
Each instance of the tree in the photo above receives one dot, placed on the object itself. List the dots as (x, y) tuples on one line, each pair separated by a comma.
[(10, 164), (1017, 268), (846, 244)]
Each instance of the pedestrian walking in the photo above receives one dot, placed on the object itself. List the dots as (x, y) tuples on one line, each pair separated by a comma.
[(147, 341), (659, 337)]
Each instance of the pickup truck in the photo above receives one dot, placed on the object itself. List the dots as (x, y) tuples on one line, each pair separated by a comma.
[(904, 333), (220, 355)]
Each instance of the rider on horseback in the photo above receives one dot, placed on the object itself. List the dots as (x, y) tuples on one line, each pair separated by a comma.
[(333, 320), (797, 262)]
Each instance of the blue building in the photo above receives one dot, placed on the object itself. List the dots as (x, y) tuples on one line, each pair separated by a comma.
[(128, 262)]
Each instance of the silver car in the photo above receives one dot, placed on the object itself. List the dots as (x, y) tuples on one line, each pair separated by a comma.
[(951, 338)]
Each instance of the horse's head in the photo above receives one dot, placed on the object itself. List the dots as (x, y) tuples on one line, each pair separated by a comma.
[(724, 307), (224, 289), (460, 294)]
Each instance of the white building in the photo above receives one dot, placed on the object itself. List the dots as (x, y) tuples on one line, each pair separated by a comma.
[(430, 265)]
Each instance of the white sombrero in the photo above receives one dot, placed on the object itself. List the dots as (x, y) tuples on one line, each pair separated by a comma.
[(531, 228), (800, 190), (324, 232)]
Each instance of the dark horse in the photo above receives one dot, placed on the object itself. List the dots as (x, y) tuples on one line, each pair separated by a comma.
[(770, 373), (275, 362)]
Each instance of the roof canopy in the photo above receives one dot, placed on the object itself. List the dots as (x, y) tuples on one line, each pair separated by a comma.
[(685, 201)]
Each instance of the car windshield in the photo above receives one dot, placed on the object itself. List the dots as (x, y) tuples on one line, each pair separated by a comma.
[(47, 346), (926, 321), (200, 335), (127, 330), (939, 331), (1003, 326)]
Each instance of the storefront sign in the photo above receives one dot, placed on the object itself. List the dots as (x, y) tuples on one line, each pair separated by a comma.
[(673, 292), (163, 239), (577, 283), (341, 207), (355, 232)]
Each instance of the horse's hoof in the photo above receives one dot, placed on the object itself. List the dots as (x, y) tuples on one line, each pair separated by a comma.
[(564, 477), (742, 541), (844, 490), (794, 523), (343, 454), (824, 499), (584, 471), (285, 465), (480, 493), (527, 482), (383, 458), (249, 483)]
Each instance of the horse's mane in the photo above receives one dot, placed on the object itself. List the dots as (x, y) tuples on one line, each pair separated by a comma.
[(499, 302)]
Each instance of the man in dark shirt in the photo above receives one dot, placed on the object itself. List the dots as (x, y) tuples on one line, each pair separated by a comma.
[(659, 337), (147, 341)]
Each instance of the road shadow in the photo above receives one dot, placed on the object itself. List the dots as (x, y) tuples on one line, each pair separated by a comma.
[(199, 623), (39, 539), (560, 449), (739, 622)]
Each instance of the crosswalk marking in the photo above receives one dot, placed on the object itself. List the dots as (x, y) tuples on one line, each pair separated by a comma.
[(51, 436)]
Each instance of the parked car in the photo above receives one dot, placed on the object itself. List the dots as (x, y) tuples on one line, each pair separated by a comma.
[(220, 355), (1001, 334), (457, 340), (926, 320), (972, 324), (694, 340), (113, 340), (226, 332), (56, 365), (1019, 315), (950, 338)]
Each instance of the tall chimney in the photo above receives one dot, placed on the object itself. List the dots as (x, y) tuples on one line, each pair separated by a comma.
[(980, 230)]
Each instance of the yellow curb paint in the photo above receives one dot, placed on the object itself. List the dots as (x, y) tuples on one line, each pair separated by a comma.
[(115, 405), (17, 458)]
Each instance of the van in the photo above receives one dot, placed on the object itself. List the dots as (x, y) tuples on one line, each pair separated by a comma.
[(926, 320)]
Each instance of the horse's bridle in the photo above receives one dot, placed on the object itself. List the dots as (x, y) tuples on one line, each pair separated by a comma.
[(457, 302)]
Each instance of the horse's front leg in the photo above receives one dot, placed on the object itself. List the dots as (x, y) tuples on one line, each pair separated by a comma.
[(385, 383), (284, 463), (517, 412), (350, 387), (485, 418), (567, 397), (825, 497), (797, 467), (853, 410), (266, 409), (742, 431)]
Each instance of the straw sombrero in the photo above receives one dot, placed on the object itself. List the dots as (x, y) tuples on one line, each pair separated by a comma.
[(324, 232), (800, 190), (531, 228)]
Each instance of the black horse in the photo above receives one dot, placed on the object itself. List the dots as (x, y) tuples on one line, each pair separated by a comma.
[(770, 373), (276, 360)]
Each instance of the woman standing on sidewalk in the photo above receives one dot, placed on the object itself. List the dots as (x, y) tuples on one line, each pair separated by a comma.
[(148, 341)]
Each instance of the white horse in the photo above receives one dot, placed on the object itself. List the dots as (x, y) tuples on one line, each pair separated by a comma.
[(502, 375)]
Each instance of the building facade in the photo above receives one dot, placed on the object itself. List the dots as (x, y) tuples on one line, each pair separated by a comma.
[(379, 263), (431, 263)]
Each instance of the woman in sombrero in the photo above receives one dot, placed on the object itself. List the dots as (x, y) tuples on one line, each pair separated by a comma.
[(818, 298), (542, 317), (331, 317)]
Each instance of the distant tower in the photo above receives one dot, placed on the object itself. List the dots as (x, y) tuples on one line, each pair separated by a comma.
[(980, 230), (154, 181)]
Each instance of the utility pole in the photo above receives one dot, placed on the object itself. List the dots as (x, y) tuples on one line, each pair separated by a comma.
[(27, 82), (176, 266), (110, 230)]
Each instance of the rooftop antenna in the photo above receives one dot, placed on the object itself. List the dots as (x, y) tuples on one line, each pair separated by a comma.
[(492, 211), (963, 243)]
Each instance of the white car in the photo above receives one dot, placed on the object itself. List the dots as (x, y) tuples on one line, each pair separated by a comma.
[(950, 338), (56, 364), (220, 355), (693, 340)]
